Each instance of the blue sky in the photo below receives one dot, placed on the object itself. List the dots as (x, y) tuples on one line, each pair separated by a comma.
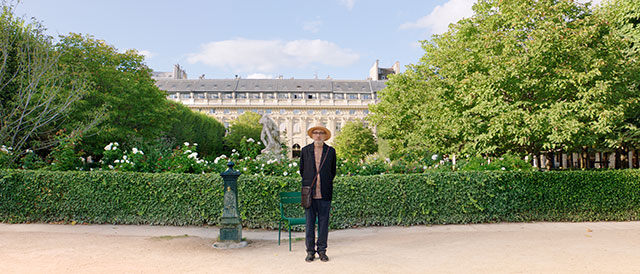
[(258, 39)]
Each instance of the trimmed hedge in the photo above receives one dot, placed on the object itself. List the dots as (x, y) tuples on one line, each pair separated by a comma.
[(431, 198)]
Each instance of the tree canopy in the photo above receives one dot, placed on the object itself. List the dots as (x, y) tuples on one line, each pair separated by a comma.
[(355, 141), (246, 125), (517, 77)]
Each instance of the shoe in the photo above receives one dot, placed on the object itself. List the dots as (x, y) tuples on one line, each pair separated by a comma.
[(323, 256), (310, 257)]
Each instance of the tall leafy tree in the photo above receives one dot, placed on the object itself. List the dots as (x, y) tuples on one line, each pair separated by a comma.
[(518, 76), (355, 141), (120, 86), (193, 127), (35, 94)]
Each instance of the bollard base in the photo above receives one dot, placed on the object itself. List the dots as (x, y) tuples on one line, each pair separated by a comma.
[(229, 244)]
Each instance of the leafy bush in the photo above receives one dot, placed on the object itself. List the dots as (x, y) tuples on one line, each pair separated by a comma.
[(390, 199)]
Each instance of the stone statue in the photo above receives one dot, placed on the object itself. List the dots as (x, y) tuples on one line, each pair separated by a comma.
[(270, 137)]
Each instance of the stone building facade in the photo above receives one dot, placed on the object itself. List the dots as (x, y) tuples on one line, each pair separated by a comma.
[(294, 104)]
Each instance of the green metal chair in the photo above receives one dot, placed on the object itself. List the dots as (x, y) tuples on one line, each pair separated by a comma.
[(289, 198)]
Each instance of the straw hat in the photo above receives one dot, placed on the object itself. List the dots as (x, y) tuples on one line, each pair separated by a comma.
[(319, 127)]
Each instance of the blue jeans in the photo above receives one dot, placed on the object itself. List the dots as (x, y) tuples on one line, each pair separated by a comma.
[(320, 209)]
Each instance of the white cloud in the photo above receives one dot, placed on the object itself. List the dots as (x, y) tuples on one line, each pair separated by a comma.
[(348, 3), (244, 55), (439, 19), (147, 54), (259, 76), (312, 26)]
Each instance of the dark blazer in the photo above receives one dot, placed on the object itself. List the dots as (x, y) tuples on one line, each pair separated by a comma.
[(327, 170)]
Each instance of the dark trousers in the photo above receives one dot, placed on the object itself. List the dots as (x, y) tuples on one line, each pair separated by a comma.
[(320, 209)]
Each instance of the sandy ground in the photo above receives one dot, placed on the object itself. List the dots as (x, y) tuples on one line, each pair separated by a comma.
[(604, 247)]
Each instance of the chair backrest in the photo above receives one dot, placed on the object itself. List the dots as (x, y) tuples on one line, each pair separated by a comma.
[(289, 198)]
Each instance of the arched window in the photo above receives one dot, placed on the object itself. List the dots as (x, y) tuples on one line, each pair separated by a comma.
[(295, 151)]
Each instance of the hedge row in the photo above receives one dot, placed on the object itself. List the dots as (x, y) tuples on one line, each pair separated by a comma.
[(431, 198)]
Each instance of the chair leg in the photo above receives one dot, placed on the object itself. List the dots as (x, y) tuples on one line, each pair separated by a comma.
[(289, 237), (279, 226)]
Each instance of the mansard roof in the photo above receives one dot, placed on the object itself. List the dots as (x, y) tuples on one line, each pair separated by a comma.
[(267, 85)]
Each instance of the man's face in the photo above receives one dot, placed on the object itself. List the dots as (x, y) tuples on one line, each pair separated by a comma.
[(318, 136)]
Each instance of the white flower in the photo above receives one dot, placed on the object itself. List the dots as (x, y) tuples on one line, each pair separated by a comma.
[(262, 165), (233, 150), (193, 155), (434, 157), (250, 140), (124, 157), (108, 147), (364, 167), (526, 158), (289, 165), (503, 168), (186, 143), (187, 151), (216, 160), (110, 167), (295, 164), (195, 144), (259, 142), (244, 169), (223, 156), (117, 161), (116, 143), (298, 171), (82, 159), (424, 167), (28, 151), (285, 173)]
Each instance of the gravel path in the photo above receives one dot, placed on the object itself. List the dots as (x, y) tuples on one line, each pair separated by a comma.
[(603, 247)]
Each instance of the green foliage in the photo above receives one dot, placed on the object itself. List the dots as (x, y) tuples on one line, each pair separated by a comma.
[(120, 91), (64, 157), (517, 77), (193, 127), (355, 141), (430, 198), (506, 162), (247, 126)]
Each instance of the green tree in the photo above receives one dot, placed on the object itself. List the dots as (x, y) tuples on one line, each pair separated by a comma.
[(517, 77), (246, 125), (193, 127), (35, 94), (355, 141), (120, 88)]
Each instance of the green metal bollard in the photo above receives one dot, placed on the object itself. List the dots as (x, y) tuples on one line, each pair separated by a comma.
[(231, 227)]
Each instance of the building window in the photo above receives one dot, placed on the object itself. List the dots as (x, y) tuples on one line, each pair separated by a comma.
[(200, 96), (212, 110), (338, 126), (185, 96), (352, 112), (296, 128), (227, 95), (268, 111), (296, 111), (311, 96), (269, 95), (226, 124), (366, 111), (254, 95), (214, 95), (240, 111), (283, 127), (338, 96), (241, 95), (227, 111), (365, 96), (297, 96), (325, 96), (310, 112), (353, 96), (173, 96), (338, 112), (283, 112), (295, 151), (324, 112), (283, 95)]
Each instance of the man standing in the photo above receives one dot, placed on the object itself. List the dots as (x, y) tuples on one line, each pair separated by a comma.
[(318, 168)]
